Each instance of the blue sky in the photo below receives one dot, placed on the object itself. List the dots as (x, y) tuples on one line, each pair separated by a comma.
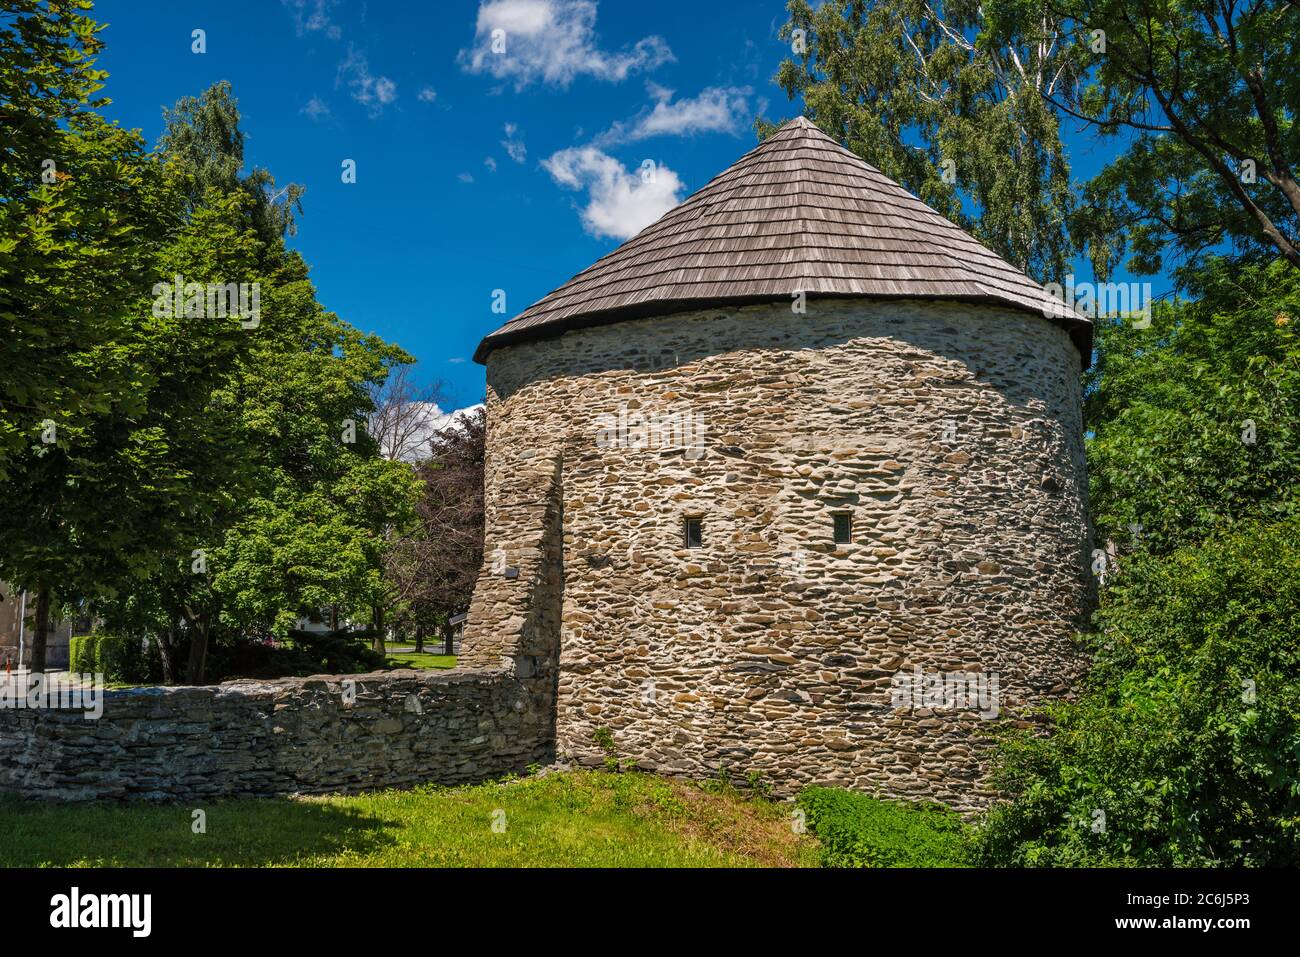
[(476, 170)]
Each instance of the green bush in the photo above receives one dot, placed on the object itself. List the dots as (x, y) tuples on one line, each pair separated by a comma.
[(338, 652), (119, 658), (856, 830), (1169, 460), (1184, 749)]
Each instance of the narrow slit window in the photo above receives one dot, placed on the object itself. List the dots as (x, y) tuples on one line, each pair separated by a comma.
[(694, 532), (843, 528)]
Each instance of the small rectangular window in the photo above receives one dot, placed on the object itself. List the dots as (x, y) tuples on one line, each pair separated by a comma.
[(843, 528), (694, 529)]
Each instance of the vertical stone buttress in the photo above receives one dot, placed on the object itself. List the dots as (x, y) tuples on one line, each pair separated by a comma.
[(514, 618)]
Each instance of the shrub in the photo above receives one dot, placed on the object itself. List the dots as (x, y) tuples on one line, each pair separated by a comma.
[(1168, 463), (1184, 749), (338, 652), (856, 830), (120, 658)]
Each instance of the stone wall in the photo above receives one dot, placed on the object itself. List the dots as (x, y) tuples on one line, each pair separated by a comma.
[(952, 435), (297, 735)]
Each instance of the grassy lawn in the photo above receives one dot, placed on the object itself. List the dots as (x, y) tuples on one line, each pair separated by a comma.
[(582, 819), (422, 660)]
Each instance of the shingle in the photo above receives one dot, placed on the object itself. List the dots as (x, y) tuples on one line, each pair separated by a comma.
[(797, 213)]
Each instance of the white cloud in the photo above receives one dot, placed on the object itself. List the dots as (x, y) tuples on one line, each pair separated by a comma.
[(717, 109), (316, 108), (620, 203), (313, 16), (465, 177), (551, 42), (427, 420), (372, 92), (427, 95), (490, 163), (515, 148)]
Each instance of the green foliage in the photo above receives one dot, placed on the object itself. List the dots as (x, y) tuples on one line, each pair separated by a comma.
[(249, 446), (758, 784), (203, 136), (604, 739), (1183, 748), (193, 476), (856, 830), (77, 214), (119, 658), (1168, 407), (82, 214), (1187, 738), (337, 652), (1196, 91)]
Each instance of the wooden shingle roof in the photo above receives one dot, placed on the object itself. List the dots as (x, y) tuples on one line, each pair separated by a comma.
[(797, 213)]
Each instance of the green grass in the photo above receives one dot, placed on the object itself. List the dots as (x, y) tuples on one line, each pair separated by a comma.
[(583, 819), (421, 660), (856, 830)]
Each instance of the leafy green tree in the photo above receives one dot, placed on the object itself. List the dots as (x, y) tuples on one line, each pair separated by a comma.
[(295, 516), (1193, 421), (257, 492), (82, 213), (1205, 92), (202, 133), (1184, 749), (950, 99)]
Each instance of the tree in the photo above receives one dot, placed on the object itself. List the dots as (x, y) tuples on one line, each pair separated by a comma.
[(434, 566), (82, 213), (948, 98), (1193, 420), (1204, 91), (1207, 91), (303, 520), (288, 496), (202, 133), (1184, 748), (407, 416)]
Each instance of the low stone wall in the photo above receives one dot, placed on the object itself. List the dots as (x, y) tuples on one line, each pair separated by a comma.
[(296, 735)]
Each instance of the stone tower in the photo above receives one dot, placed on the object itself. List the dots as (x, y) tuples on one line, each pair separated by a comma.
[(790, 483)]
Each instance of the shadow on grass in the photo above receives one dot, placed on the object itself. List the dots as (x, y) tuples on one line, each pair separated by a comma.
[(253, 832)]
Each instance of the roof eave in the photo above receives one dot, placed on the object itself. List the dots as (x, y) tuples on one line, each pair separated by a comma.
[(1080, 329)]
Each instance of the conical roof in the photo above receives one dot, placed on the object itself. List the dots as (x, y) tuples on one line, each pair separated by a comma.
[(797, 213)]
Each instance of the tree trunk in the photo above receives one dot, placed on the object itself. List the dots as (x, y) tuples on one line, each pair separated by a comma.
[(448, 634), (419, 639), (334, 617), (163, 641), (42, 626), (377, 642), (198, 651)]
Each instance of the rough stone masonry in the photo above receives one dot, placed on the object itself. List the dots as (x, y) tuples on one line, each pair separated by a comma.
[(948, 434), (293, 735)]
